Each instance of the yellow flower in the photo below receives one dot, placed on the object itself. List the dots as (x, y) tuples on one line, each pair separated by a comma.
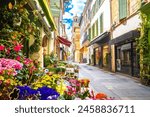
[(1, 78), (61, 88)]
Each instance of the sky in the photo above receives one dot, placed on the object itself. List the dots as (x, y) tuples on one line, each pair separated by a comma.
[(72, 8)]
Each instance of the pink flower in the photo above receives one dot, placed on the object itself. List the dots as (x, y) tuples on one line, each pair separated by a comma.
[(33, 68), (10, 66), (17, 48), (1, 82), (27, 61), (2, 47)]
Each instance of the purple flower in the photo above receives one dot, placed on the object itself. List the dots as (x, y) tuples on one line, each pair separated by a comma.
[(44, 93), (48, 93), (26, 91)]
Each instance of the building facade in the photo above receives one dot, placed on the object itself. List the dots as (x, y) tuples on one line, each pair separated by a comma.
[(76, 39), (125, 22), (46, 25), (99, 34), (84, 31)]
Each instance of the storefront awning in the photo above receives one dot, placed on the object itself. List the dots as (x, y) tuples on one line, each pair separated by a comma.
[(64, 41), (47, 12), (128, 37), (103, 38)]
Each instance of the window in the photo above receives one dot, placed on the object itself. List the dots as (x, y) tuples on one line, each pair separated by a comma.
[(89, 34), (97, 28), (101, 23), (92, 12), (94, 7), (100, 2), (122, 9), (97, 5), (89, 14), (92, 31)]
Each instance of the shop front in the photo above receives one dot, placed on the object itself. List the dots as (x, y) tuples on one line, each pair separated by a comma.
[(101, 50), (97, 54), (126, 57)]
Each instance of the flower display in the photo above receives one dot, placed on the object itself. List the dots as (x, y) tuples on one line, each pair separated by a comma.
[(84, 82), (27, 61), (70, 93), (43, 93), (48, 93), (75, 83), (25, 92), (10, 66), (46, 80), (6, 85), (61, 87)]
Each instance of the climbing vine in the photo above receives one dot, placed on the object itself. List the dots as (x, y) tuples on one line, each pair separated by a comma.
[(17, 23), (143, 48)]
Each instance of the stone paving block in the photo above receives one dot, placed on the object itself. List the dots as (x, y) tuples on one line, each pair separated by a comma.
[(115, 85)]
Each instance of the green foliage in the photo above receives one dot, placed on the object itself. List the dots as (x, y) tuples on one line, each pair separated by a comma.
[(15, 22), (143, 48), (50, 60), (57, 70)]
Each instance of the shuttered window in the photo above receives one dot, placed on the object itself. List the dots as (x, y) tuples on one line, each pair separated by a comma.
[(101, 23), (89, 34), (97, 28), (99, 2), (122, 9), (93, 31)]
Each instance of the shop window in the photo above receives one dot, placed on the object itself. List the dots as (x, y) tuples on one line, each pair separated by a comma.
[(97, 56)]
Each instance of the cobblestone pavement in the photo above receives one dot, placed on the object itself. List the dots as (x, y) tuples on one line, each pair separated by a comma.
[(114, 84)]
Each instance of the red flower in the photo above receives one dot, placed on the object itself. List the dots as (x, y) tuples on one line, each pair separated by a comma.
[(8, 51), (18, 58), (17, 48), (2, 47)]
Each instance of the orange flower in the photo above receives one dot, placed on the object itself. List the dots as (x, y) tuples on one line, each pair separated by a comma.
[(101, 96)]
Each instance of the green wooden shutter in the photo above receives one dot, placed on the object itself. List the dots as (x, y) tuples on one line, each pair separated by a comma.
[(101, 23), (92, 31), (89, 34), (97, 28), (122, 9)]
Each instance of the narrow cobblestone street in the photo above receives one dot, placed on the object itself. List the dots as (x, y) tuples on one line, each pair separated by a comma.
[(114, 84)]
